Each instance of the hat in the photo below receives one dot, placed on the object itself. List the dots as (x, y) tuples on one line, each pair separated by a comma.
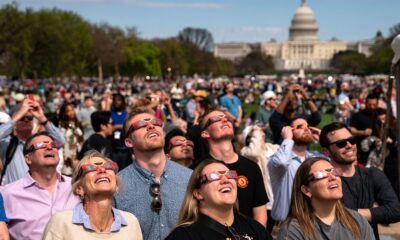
[(19, 97), (396, 49), (4, 117), (267, 95), (246, 131), (201, 93)]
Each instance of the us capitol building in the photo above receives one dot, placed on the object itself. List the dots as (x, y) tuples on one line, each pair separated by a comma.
[(303, 50)]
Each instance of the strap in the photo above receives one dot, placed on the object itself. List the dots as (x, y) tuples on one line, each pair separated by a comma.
[(12, 147)]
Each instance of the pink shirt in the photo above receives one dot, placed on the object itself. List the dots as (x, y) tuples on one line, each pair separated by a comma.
[(29, 207)]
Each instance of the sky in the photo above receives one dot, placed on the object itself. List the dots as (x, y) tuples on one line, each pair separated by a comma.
[(233, 20)]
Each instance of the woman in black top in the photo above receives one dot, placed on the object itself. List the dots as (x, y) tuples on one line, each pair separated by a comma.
[(209, 208)]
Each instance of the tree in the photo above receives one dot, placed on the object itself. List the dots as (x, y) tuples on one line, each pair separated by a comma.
[(256, 62), (349, 62), (201, 38), (172, 55), (108, 43)]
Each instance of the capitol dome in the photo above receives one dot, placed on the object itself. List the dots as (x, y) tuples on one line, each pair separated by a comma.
[(304, 25)]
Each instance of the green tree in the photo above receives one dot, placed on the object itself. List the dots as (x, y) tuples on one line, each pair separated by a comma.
[(172, 55), (349, 62), (256, 62), (141, 58)]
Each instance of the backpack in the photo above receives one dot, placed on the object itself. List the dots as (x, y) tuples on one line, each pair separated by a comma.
[(12, 147)]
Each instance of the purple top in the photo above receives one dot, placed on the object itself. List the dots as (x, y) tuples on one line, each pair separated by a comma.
[(29, 207)]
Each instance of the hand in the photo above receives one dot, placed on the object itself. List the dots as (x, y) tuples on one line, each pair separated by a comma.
[(237, 123), (287, 132), (38, 113), (25, 107), (367, 132), (315, 132)]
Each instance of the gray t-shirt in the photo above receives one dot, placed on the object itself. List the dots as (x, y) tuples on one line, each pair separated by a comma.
[(325, 232)]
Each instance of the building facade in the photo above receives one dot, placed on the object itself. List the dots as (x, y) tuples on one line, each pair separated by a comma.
[(303, 50)]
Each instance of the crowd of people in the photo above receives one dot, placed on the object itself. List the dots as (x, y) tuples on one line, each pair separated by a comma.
[(137, 159)]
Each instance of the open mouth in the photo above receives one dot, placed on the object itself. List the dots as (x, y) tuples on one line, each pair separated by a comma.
[(225, 190), (50, 155), (333, 186), (152, 134), (102, 179)]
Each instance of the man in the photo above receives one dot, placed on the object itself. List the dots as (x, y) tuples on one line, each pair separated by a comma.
[(267, 107), (289, 107), (154, 187), (84, 117), (23, 123), (283, 164), (31, 201), (361, 124), (366, 190), (178, 148), (102, 125), (217, 130), (232, 103)]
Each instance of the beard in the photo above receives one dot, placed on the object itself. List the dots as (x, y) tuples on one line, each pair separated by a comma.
[(340, 160), (303, 140), (149, 146)]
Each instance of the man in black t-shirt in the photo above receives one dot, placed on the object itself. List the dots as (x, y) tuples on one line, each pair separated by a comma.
[(366, 190), (217, 129), (102, 125)]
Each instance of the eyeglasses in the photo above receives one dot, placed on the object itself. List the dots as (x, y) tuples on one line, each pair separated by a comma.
[(144, 123), (301, 126), (218, 118), (155, 191), (91, 167), (343, 143), (27, 118), (179, 142), (214, 176), (43, 145), (337, 172)]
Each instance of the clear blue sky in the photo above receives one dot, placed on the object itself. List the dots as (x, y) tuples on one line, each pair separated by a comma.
[(234, 20)]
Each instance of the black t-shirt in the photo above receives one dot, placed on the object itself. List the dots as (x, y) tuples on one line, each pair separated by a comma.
[(96, 142), (208, 229), (251, 189)]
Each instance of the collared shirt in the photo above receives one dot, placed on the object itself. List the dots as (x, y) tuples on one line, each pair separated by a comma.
[(135, 197), (80, 217), (282, 168), (29, 206), (18, 167)]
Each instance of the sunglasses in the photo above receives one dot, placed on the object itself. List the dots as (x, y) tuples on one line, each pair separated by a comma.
[(155, 191), (343, 143), (179, 142), (301, 126), (337, 172), (43, 145), (144, 123), (214, 176), (218, 118), (91, 167), (27, 118)]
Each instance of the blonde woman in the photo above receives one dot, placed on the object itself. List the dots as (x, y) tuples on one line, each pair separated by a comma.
[(209, 209), (316, 210), (95, 182)]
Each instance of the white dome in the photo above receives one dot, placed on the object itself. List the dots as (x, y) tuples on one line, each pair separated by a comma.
[(304, 25)]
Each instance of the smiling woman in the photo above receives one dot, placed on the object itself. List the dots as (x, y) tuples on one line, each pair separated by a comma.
[(209, 209), (95, 182), (316, 210)]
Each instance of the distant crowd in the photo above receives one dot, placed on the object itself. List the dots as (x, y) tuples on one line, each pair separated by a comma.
[(240, 158)]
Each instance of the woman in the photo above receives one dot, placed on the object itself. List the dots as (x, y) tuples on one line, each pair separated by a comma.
[(256, 149), (208, 210), (316, 211), (71, 129), (95, 182)]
